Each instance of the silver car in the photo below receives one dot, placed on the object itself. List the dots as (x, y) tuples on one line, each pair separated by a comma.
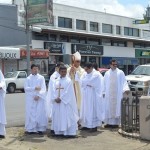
[(139, 79)]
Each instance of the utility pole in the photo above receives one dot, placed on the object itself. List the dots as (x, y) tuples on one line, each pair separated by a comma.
[(26, 5)]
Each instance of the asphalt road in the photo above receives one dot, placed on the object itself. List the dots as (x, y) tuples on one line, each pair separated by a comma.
[(15, 109)]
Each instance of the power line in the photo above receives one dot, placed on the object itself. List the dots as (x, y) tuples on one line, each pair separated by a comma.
[(12, 28)]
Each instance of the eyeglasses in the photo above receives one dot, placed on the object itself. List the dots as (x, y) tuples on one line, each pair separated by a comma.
[(78, 61), (114, 64)]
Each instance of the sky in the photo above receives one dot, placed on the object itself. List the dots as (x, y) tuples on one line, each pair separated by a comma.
[(129, 8)]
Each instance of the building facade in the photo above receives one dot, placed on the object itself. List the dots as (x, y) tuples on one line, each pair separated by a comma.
[(98, 36)]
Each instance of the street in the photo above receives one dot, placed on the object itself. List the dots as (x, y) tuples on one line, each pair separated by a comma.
[(105, 139), (15, 109)]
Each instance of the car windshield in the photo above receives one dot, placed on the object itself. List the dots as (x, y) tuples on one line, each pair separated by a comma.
[(141, 70), (11, 74)]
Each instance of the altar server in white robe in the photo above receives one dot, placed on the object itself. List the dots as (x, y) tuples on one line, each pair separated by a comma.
[(115, 85), (95, 66), (64, 112), (35, 90), (91, 104), (2, 106), (53, 77)]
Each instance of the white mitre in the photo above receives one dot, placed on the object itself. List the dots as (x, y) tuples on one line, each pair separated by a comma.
[(77, 56)]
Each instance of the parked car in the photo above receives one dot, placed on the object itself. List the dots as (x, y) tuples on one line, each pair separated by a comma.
[(103, 70), (139, 79), (15, 81)]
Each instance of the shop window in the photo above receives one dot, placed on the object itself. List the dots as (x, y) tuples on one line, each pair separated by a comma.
[(74, 39), (64, 38), (106, 42), (119, 43), (83, 40), (93, 41), (52, 37)]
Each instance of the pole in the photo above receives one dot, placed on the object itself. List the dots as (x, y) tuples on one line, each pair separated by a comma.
[(28, 50), (27, 39)]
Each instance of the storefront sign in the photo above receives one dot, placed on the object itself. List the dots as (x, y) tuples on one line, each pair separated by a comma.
[(141, 53), (87, 49), (9, 53), (35, 53), (40, 11), (54, 47)]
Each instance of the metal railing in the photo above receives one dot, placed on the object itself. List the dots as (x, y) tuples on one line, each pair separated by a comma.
[(130, 114)]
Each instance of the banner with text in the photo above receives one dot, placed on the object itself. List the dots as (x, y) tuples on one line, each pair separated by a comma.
[(40, 11)]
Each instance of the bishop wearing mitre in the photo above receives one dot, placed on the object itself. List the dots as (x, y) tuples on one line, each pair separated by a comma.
[(75, 71)]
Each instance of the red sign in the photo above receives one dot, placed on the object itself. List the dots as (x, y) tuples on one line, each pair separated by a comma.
[(35, 53)]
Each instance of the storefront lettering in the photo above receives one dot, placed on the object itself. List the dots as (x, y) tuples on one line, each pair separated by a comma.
[(145, 53), (35, 53), (87, 49), (8, 55), (90, 52), (54, 47)]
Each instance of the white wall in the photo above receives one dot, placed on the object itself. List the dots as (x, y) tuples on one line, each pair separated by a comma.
[(112, 51), (37, 44), (90, 15)]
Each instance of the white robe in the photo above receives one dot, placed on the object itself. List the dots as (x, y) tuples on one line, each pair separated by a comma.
[(49, 105), (115, 85), (91, 104), (36, 118), (2, 105), (64, 114)]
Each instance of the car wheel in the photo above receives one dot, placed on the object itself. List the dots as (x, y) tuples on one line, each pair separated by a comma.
[(11, 88), (22, 90)]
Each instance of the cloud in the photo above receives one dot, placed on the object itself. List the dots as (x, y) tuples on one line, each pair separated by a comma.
[(6, 1), (108, 6)]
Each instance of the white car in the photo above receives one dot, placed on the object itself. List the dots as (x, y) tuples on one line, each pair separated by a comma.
[(15, 81), (139, 79)]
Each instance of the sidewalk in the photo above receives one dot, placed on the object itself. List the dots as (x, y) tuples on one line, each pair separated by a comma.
[(104, 139)]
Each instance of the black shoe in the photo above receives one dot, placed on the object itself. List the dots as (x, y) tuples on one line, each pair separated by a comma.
[(30, 133), (52, 132), (84, 128), (115, 126), (2, 136), (40, 133), (107, 126), (70, 136), (93, 129)]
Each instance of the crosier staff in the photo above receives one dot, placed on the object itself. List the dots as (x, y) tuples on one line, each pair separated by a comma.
[(72, 74)]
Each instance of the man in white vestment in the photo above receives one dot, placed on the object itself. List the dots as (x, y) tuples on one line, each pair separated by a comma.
[(53, 77), (91, 107), (35, 90), (95, 67), (64, 112), (75, 72), (115, 85), (2, 106)]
